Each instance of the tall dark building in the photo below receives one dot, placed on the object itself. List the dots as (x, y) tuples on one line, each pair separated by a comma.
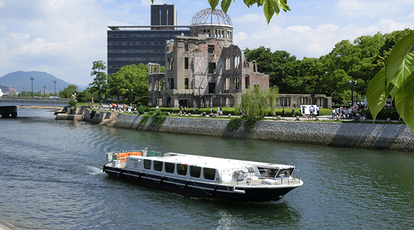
[(163, 15), (127, 45)]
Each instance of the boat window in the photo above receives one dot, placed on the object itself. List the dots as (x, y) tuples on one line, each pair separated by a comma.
[(169, 167), (147, 164), (195, 171), (267, 172), (209, 174), (158, 165), (182, 169), (285, 172)]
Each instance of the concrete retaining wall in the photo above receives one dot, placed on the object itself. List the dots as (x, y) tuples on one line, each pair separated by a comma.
[(358, 135)]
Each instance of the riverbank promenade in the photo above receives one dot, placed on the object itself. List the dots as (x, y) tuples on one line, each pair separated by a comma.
[(323, 130)]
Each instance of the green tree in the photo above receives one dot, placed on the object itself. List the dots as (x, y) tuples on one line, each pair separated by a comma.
[(24, 94), (68, 91), (350, 62), (100, 83), (257, 102), (280, 65), (130, 83), (84, 96)]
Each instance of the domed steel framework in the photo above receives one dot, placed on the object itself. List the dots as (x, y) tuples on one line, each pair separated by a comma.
[(206, 17)]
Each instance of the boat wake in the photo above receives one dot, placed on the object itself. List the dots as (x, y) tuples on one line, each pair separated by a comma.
[(93, 170)]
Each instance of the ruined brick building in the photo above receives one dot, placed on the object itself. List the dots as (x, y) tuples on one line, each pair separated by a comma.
[(204, 69)]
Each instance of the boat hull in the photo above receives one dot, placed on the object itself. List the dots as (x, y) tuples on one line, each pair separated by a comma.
[(200, 189)]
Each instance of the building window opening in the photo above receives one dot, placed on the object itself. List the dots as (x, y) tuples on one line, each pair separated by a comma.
[(186, 63), (237, 83), (212, 68), (227, 84), (186, 83), (236, 62), (170, 63), (247, 80), (210, 49), (171, 83), (227, 63), (211, 88)]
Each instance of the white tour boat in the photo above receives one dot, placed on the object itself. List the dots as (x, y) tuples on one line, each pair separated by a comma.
[(202, 176)]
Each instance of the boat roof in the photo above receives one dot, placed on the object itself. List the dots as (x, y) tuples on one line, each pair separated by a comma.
[(211, 162)]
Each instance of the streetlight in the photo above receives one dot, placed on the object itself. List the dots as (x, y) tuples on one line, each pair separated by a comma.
[(32, 78), (352, 83), (55, 86), (44, 91)]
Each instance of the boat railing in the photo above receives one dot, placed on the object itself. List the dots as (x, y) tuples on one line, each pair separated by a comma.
[(247, 178)]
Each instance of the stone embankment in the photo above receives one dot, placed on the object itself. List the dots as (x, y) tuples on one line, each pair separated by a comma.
[(396, 137)]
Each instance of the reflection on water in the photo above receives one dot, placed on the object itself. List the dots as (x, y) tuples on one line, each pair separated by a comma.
[(51, 176)]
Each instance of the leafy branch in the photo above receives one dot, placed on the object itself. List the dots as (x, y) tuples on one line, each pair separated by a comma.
[(396, 80)]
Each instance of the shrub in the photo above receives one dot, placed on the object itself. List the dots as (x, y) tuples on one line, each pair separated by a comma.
[(142, 109), (144, 119), (234, 123), (158, 118), (250, 122), (385, 113)]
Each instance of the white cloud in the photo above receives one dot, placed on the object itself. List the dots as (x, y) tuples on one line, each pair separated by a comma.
[(305, 41), (372, 8), (299, 29)]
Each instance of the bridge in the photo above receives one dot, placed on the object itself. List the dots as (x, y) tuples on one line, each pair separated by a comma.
[(8, 105)]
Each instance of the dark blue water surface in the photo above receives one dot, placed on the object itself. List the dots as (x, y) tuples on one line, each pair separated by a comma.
[(51, 178)]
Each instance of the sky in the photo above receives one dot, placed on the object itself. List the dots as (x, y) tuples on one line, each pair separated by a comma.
[(64, 37)]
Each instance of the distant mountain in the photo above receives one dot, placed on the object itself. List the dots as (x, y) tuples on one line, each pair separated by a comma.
[(20, 81)]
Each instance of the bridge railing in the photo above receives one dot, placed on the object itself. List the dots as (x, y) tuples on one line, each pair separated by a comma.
[(30, 100)]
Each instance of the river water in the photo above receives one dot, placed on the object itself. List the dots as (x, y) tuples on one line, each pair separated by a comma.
[(51, 178)]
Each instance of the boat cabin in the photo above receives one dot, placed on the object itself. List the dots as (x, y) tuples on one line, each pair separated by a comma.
[(202, 168)]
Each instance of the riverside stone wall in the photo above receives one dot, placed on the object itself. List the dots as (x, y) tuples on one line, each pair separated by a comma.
[(358, 135)]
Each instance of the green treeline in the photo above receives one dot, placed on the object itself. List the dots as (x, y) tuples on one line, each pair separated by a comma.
[(356, 61)]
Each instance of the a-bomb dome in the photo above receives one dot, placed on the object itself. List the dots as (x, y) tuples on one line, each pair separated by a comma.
[(207, 17)]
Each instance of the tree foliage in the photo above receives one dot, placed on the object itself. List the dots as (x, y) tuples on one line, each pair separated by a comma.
[(100, 83), (68, 91), (358, 61), (257, 101), (130, 83)]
